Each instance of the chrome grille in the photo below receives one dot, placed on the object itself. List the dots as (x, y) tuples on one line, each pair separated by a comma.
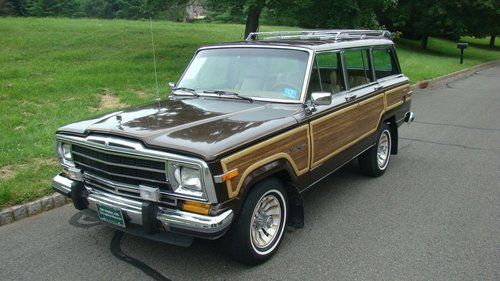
[(120, 173)]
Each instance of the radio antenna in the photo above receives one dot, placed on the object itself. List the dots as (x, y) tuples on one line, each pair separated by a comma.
[(154, 61)]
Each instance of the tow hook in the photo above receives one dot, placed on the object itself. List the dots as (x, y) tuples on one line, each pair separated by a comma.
[(409, 117)]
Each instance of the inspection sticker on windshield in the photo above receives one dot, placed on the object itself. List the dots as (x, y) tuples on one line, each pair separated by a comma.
[(290, 93)]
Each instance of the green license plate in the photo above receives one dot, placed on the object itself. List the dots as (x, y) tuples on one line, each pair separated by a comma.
[(110, 215)]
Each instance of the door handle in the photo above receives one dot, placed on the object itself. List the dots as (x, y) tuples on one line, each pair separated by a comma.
[(351, 98)]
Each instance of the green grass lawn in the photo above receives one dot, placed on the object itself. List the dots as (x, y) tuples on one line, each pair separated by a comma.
[(55, 71)]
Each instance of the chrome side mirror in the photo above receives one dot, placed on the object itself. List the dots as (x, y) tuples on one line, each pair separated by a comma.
[(171, 85), (321, 98)]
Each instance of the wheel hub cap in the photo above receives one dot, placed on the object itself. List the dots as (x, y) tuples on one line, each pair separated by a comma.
[(383, 150), (266, 221)]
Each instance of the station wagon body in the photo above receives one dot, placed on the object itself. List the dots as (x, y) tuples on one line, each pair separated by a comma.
[(247, 128)]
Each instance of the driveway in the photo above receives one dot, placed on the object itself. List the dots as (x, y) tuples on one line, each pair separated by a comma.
[(434, 215)]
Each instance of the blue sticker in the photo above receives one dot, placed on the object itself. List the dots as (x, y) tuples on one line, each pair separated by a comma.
[(290, 93)]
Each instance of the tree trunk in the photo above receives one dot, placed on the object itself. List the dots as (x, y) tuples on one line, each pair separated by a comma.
[(253, 16), (492, 40), (423, 41)]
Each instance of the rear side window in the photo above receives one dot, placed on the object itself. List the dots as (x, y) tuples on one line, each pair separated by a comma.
[(384, 63), (357, 67)]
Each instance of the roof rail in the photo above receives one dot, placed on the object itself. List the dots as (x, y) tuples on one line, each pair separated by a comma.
[(333, 35)]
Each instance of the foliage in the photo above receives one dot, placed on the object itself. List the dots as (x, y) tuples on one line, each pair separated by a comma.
[(130, 9), (342, 14), (482, 18)]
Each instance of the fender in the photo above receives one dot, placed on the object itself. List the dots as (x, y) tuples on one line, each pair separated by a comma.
[(281, 169)]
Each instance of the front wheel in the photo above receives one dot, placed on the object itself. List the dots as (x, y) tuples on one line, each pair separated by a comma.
[(375, 160), (258, 230)]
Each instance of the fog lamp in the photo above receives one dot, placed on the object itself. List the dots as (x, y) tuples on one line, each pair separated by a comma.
[(149, 193)]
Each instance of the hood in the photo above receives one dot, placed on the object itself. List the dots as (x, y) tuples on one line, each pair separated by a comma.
[(204, 126)]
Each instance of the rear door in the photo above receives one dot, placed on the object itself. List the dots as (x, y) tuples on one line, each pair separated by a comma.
[(364, 89), (334, 126)]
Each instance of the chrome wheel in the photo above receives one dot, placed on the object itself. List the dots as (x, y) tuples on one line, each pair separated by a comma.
[(265, 226), (384, 149)]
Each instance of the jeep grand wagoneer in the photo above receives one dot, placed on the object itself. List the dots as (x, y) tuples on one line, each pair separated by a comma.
[(247, 128)]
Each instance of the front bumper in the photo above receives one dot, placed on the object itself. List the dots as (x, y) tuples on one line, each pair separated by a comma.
[(137, 213)]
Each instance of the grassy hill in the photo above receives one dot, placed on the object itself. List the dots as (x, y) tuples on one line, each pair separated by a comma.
[(55, 71)]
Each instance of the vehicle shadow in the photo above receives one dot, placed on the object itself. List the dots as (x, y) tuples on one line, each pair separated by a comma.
[(162, 261)]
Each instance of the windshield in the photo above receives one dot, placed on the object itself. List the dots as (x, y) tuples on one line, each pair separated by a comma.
[(251, 72)]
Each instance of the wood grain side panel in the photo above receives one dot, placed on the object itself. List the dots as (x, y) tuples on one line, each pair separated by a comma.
[(370, 112), (395, 96), (265, 152), (333, 133)]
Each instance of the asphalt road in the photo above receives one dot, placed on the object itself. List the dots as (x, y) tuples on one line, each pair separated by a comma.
[(434, 215)]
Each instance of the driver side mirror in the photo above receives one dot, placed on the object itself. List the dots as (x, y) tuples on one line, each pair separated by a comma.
[(321, 98), (171, 85)]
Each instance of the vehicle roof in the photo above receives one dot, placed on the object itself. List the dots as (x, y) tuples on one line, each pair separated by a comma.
[(314, 45)]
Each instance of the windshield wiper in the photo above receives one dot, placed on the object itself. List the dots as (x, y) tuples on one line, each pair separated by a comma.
[(227, 93), (189, 90)]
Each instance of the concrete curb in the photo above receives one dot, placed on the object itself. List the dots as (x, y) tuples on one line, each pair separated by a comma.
[(442, 80), (18, 212)]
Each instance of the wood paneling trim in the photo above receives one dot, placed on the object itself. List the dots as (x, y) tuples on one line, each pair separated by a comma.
[(370, 113), (322, 128), (394, 96), (279, 147)]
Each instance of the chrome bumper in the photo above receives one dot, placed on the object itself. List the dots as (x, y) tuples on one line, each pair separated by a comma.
[(409, 117), (173, 220)]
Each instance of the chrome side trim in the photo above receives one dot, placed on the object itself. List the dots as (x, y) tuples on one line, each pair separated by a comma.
[(141, 152)]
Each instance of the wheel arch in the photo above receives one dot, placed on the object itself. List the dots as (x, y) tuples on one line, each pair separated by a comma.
[(282, 170)]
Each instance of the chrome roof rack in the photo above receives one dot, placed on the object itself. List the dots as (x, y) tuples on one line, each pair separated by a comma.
[(331, 35)]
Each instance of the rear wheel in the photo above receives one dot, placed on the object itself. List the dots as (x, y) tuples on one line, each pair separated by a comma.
[(258, 230), (375, 160)]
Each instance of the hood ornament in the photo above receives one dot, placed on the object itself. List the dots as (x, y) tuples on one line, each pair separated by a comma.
[(119, 119)]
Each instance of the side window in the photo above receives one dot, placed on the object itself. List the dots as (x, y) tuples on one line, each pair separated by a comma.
[(383, 62), (330, 72), (357, 67), (314, 82)]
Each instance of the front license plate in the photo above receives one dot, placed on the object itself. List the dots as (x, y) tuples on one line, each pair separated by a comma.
[(110, 215)]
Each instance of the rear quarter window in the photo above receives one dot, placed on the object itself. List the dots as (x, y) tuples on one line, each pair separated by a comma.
[(384, 62)]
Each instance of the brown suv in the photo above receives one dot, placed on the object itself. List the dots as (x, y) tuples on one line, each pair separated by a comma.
[(248, 127)]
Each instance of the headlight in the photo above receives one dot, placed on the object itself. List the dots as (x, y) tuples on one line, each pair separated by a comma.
[(188, 177), (64, 153), (186, 180)]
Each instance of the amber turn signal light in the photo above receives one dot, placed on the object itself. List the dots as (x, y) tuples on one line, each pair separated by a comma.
[(196, 207), (229, 175)]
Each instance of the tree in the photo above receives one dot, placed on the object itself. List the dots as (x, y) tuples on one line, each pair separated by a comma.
[(342, 13), (424, 18), (252, 9), (482, 19), (6, 8)]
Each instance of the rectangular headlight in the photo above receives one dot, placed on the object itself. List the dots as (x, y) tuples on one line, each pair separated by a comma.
[(64, 154), (186, 179)]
